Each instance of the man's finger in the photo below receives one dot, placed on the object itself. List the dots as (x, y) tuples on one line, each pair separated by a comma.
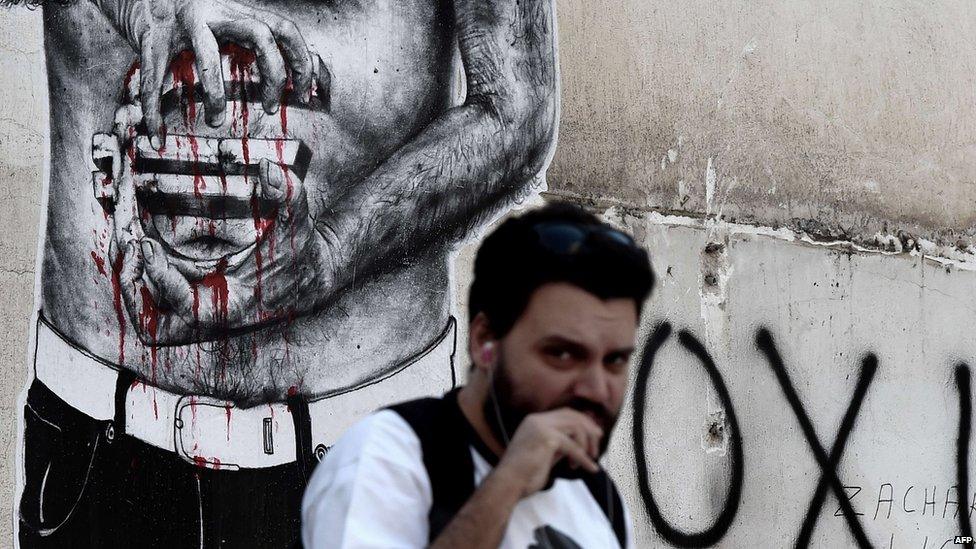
[(296, 53), (577, 454), (257, 36), (130, 275), (283, 187), (208, 70), (589, 431), (274, 181), (154, 62), (582, 437)]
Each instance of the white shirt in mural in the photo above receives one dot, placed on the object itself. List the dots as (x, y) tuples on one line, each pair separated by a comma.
[(373, 492)]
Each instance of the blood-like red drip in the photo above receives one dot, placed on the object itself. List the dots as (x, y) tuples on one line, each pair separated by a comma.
[(241, 60), (127, 81), (149, 323), (292, 391), (185, 79), (227, 411), (216, 281), (99, 263)]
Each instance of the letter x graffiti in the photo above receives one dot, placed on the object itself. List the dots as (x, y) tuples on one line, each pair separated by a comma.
[(828, 463)]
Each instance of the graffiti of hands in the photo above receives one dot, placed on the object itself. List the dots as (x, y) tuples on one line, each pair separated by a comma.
[(159, 29), (284, 273)]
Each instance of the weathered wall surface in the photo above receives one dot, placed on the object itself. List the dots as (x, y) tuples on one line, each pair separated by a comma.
[(855, 116), (826, 309), (849, 119), (23, 123)]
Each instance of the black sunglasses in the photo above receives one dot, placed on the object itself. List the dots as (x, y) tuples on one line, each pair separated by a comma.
[(569, 238)]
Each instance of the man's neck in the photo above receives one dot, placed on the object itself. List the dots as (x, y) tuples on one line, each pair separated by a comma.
[(471, 400)]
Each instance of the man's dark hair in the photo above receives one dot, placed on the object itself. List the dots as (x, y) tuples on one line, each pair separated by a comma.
[(514, 260)]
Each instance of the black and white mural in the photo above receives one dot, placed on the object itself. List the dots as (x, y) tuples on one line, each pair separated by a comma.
[(250, 212)]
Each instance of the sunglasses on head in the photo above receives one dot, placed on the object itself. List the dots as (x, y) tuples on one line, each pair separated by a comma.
[(569, 238)]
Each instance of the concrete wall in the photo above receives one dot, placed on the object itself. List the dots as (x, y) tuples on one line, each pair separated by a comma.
[(852, 123), (23, 124), (826, 308), (855, 116)]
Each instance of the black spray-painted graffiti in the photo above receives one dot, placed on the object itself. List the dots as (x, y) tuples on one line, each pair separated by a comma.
[(828, 463), (714, 533)]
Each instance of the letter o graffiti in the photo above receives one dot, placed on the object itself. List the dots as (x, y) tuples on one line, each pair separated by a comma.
[(717, 530)]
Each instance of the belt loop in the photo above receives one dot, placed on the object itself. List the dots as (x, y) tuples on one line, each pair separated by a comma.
[(122, 384), (303, 433)]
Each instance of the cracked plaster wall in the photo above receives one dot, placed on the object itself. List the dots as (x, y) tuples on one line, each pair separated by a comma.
[(842, 121), (857, 117)]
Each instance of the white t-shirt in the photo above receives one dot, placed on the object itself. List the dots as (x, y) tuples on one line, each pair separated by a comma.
[(372, 491)]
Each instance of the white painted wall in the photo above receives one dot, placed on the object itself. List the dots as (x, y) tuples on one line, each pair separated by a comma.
[(826, 306)]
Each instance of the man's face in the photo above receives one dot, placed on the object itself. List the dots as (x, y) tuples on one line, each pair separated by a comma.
[(568, 349)]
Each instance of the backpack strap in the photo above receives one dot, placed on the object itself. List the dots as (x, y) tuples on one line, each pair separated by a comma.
[(604, 492), (439, 425), (445, 443)]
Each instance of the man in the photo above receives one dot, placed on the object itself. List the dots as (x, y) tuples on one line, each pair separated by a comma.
[(511, 458), (192, 359)]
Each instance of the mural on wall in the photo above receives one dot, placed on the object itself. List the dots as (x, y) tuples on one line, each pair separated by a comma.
[(250, 212)]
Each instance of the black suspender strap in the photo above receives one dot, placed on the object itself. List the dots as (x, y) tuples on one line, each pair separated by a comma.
[(303, 434), (447, 456), (445, 439), (599, 484), (122, 384)]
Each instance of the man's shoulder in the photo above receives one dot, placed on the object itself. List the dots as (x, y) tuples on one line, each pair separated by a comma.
[(383, 433), (420, 412)]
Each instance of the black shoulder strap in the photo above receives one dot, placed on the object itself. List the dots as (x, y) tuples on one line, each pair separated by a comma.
[(440, 427), (599, 484), (447, 456)]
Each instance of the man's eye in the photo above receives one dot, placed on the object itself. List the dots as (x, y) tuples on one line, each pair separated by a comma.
[(561, 355), (617, 360)]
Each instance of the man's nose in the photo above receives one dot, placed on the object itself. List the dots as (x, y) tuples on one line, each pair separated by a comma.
[(593, 384)]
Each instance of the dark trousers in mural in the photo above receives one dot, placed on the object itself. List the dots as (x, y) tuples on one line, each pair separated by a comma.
[(112, 462), (89, 486)]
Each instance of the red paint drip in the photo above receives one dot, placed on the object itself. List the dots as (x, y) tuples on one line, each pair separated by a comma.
[(185, 79), (227, 411), (241, 61), (131, 150), (127, 81), (289, 87), (117, 300), (216, 281), (202, 462), (99, 263), (149, 324)]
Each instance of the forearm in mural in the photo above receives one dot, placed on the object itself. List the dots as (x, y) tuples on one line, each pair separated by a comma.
[(127, 16), (469, 159)]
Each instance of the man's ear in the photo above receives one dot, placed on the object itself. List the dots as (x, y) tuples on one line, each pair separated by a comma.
[(482, 347)]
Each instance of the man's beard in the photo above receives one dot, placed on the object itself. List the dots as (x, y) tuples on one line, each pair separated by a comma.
[(504, 412)]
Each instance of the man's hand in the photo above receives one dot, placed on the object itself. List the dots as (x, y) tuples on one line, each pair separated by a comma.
[(174, 300), (159, 29), (542, 440)]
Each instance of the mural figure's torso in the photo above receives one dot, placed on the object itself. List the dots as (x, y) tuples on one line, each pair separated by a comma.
[(394, 68)]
